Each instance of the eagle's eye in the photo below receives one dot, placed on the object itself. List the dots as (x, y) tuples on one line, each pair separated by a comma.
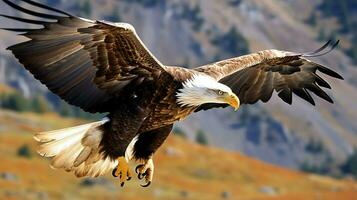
[(220, 92)]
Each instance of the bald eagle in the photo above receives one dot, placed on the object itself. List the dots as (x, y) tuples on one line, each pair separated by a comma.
[(104, 67)]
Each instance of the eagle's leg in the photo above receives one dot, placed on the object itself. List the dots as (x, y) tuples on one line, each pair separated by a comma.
[(121, 130), (146, 171), (122, 170), (144, 149)]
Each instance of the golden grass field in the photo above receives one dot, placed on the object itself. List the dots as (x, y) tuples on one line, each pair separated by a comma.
[(184, 170)]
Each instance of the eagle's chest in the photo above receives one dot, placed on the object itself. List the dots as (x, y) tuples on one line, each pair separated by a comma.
[(164, 108), (164, 115)]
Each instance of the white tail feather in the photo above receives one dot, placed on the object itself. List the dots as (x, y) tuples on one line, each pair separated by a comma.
[(76, 149), (62, 133)]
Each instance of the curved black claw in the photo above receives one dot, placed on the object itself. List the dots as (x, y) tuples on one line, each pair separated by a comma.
[(141, 176), (147, 185), (122, 184), (114, 172), (129, 178), (137, 168)]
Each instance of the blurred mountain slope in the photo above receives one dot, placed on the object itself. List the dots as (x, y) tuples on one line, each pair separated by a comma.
[(182, 32), (184, 170)]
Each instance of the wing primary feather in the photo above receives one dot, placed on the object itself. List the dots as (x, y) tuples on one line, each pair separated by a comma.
[(311, 100), (329, 72), (30, 21), (331, 49), (321, 82), (285, 95), (19, 30), (46, 7), (319, 49), (319, 92), (267, 88), (302, 93), (30, 12), (324, 53), (310, 97)]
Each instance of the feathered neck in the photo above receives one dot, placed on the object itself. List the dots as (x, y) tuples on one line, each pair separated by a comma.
[(199, 90)]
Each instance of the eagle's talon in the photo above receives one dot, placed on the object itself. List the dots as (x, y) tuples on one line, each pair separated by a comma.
[(137, 168), (147, 184), (122, 171), (114, 172), (141, 176), (145, 171)]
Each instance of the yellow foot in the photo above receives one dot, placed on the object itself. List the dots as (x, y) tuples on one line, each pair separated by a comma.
[(146, 171), (122, 170)]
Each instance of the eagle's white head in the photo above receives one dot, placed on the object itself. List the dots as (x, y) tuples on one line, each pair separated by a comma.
[(202, 89)]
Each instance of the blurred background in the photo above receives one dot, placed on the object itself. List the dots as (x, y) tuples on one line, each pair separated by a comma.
[(263, 151)]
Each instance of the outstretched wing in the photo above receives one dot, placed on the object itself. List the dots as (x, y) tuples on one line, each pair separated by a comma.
[(255, 76), (87, 63)]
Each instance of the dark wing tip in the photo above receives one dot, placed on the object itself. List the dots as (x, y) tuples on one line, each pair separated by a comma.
[(321, 82), (319, 52), (319, 49), (47, 7), (302, 93), (30, 21), (328, 99), (31, 12), (329, 72), (286, 96), (319, 92), (18, 29)]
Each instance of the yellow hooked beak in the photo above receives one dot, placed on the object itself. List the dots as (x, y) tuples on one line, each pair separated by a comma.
[(232, 100)]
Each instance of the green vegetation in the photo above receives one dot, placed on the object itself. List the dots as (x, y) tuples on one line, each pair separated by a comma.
[(179, 132), (352, 51), (315, 147), (193, 15), (350, 166), (14, 102), (114, 16), (24, 151), (231, 43), (346, 14), (327, 166), (344, 11), (312, 168), (201, 138), (84, 7), (234, 2), (66, 110), (148, 3), (87, 8), (40, 105), (312, 20), (322, 35), (17, 102)]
